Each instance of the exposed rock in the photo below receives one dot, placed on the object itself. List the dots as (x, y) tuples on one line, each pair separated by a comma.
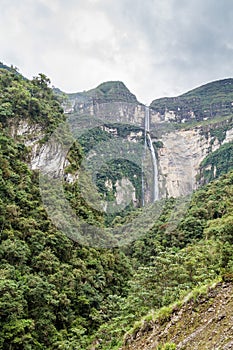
[(229, 136), (202, 103), (43, 155), (25, 131), (180, 157), (183, 150), (125, 192), (204, 323)]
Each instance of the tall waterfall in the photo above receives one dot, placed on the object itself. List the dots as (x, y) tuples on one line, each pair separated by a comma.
[(148, 143)]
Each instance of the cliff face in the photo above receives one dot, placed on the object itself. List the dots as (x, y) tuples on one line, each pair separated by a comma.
[(181, 150), (206, 102), (111, 101), (180, 158), (42, 155)]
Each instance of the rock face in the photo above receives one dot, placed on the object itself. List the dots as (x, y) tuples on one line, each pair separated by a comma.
[(205, 102), (43, 155), (110, 101), (25, 131), (229, 136), (124, 195), (184, 149), (180, 157), (178, 160), (198, 324), (181, 150)]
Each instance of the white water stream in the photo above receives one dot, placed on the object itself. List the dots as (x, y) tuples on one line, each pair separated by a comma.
[(148, 143)]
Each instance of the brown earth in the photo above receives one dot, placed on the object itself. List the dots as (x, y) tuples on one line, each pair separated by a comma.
[(201, 324)]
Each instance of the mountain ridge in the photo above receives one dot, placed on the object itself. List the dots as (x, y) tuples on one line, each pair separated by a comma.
[(56, 293), (201, 103), (117, 90)]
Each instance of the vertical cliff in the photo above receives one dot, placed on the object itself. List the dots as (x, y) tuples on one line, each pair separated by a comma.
[(184, 132), (180, 157)]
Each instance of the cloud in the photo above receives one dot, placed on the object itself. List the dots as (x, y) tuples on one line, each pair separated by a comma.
[(157, 47)]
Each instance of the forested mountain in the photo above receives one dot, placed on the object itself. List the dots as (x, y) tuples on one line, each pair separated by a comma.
[(211, 100), (184, 131), (58, 294)]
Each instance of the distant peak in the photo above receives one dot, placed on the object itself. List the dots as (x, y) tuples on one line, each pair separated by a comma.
[(113, 90), (109, 85)]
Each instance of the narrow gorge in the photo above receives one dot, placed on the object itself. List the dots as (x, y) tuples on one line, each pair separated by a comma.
[(168, 279)]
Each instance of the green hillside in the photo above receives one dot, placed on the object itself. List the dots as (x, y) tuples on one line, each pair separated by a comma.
[(52, 291), (172, 260), (111, 91), (208, 101), (4, 66), (57, 294), (217, 163)]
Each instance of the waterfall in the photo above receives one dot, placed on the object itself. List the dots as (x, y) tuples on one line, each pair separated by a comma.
[(155, 169), (148, 143)]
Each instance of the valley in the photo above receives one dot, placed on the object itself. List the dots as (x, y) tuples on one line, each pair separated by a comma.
[(163, 282)]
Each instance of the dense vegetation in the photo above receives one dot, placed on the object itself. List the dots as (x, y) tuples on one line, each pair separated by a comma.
[(11, 68), (170, 261), (208, 101), (217, 163), (107, 92), (117, 168), (33, 100), (56, 294), (53, 293)]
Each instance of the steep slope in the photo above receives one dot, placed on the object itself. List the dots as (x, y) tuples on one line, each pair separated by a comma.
[(111, 113), (4, 66), (172, 259), (190, 127), (51, 288), (217, 163), (206, 102), (184, 151), (111, 101), (201, 322), (184, 130), (57, 294), (108, 91)]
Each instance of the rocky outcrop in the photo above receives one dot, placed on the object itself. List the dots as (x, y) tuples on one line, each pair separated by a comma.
[(110, 103), (110, 100), (202, 323), (113, 112), (42, 155), (209, 101), (229, 136), (25, 131), (180, 157)]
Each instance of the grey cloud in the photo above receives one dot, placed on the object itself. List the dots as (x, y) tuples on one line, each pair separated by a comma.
[(156, 46)]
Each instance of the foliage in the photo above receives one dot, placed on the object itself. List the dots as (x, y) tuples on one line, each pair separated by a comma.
[(107, 92), (171, 263), (208, 101), (33, 100), (217, 163), (56, 294), (113, 170), (53, 292)]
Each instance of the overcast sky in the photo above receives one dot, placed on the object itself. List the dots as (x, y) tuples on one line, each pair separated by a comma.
[(156, 47)]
